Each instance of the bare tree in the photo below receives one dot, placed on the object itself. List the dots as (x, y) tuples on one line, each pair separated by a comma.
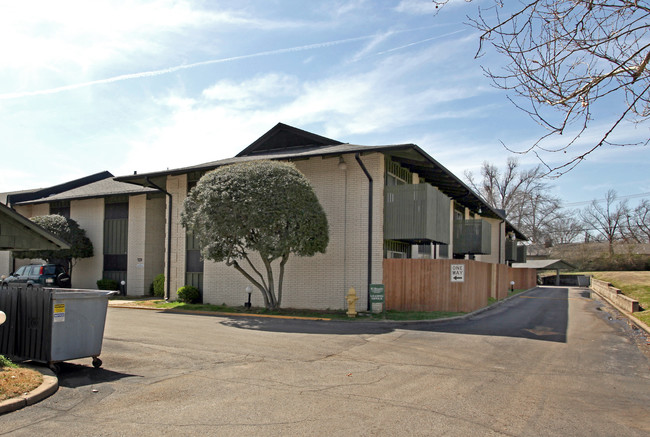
[(566, 58), (565, 228), (637, 224), (523, 194), (606, 220)]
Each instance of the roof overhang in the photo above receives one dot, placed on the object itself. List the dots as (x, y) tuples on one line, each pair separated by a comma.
[(409, 156), (544, 264), (20, 233)]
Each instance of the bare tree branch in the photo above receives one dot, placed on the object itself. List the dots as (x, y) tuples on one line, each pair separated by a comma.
[(564, 59)]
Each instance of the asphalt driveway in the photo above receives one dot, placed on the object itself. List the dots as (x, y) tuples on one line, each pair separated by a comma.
[(550, 362)]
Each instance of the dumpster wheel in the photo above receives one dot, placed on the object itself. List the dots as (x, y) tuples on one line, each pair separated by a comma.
[(54, 367), (97, 363)]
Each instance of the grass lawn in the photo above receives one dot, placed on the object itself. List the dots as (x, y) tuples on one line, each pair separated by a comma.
[(325, 314), (633, 284), (15, 380)]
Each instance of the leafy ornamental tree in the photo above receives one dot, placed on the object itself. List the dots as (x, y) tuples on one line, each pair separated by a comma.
[(265, 207), (66, 229), (565, 58)]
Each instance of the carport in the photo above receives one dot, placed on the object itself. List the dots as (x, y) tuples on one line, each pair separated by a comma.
[(20, 233), (546, 264)]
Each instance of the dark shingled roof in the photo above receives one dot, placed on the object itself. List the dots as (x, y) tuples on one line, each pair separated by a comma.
[(39, 193), (288, 143), (102, 188)]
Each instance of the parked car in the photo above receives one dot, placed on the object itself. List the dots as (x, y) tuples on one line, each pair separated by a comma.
[(45, 275)]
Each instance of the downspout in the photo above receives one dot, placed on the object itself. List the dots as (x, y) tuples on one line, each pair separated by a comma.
[(169, 235), (499, 260), (363, 167)]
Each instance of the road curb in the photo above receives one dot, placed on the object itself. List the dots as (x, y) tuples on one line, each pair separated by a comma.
[(215, 313), (272, 316), (48, 387)]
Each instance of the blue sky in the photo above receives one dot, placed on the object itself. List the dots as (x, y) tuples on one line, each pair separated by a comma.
[(149, 85)]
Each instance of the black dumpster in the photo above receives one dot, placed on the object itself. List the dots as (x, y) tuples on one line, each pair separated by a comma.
[(51, 325)]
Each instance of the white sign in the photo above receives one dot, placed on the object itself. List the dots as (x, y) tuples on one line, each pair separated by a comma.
[(458, 273), (59, 312)]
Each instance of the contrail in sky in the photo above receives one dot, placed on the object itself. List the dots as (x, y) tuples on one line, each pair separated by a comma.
[(153, 73), (419, 42)]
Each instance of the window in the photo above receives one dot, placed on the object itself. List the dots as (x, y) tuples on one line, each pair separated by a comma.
[(61, 207), (116, 237)]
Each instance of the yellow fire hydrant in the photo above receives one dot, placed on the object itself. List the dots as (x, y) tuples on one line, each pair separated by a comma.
[(352, 300)]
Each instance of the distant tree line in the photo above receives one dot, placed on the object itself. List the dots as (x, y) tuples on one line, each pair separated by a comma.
[(531, 208)]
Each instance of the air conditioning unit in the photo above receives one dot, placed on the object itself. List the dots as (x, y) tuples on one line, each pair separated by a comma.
[(391, 254)]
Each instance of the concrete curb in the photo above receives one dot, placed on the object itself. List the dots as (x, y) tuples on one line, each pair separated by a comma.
[(213, 313), (630, 316), (48, 387), (222, 314)]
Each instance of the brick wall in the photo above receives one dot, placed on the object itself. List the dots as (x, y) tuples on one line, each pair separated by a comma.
[(608, 291), (497, 245), (177, 186), (155, 230), (90, 216), (323, 280), (136, 245)]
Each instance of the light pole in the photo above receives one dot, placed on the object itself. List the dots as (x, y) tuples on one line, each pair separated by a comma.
[(249, 290)]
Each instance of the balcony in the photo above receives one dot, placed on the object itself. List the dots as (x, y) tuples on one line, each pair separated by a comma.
[(416, 213), (515, 253), (511, 250), (472, 237)]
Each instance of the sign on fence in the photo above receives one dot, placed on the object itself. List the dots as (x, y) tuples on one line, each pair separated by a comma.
[(458, 273)]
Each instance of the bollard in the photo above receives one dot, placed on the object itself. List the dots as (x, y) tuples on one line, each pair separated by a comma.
[(352, 300)]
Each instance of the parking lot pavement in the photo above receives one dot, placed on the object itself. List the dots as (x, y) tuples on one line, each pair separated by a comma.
[(561, 368)]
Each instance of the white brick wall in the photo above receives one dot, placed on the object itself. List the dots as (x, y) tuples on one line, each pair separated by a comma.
[(495, 242), (146, 244), (177, 186), (321, 281), (90, 216), (6, 265), (136, 245), (154, 257)]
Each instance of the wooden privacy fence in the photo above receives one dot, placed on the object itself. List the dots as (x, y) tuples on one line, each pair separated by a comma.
[(426, 284)]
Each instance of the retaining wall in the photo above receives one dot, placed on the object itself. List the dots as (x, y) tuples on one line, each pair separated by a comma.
[(615, 295)]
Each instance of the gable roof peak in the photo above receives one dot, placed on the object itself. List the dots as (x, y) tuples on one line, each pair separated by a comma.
[(283, 138)]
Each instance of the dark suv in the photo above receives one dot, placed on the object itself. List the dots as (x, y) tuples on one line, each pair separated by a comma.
[(44, 275)]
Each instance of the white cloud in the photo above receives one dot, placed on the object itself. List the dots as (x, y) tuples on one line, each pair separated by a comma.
[(415, 7), (253, 92), (74, 37), (228, 115), (419, 7)]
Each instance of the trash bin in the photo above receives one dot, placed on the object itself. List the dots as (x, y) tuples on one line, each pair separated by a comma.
[(51, 325)]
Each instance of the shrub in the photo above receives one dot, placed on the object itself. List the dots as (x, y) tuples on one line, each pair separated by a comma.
[(107, 284), (158, 286), (189, 294), (6, 362)]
